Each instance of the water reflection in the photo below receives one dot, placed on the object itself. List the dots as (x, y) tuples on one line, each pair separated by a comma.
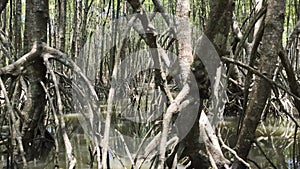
[(274, 147)]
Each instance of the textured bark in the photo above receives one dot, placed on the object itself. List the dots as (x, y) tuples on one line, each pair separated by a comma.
[(62, 24), (203, 154), (219, 23), (185, 59), (78, 40), (18, 37), (87, 7), (61, 39), (217, 31), (35, 22), (271, 46), (75, 40), (74, 32), (33, 112)]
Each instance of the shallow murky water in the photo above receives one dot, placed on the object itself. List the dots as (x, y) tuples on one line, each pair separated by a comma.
[(274, 147)]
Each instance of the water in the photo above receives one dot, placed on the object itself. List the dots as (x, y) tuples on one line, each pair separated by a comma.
[(275, 141)]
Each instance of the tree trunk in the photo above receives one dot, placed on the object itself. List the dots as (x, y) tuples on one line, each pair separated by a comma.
[(202, 153), (271, 46), (74, 33), (33, 112), (62, 24), (78, 40), (18, 22), (62, 6), (219, 23)]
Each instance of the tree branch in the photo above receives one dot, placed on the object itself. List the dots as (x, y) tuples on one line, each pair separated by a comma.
[(3, 5), (228, 60), (17, 67)]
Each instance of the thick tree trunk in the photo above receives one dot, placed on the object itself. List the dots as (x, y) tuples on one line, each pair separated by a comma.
[(219, 23), (191, 141), (271, 45), (185, 59), (202, 153), (218, 30), (33, 112)]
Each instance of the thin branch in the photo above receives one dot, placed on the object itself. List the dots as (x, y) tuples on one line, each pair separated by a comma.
[(55, 121), (173, 107), (68, 145), (138, 165), (231, 150), (62, 57), (225, 59), (13, 125), (292, 81), (112, 93), (293, 35), (261, 13), (265, 155), (6, 45), (159, 8), (294, 147), (126, 148)]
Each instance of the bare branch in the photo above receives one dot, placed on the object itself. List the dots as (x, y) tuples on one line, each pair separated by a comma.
[(224, 59), (231, 150), (68, 145), (15, 129), (111, 96)]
